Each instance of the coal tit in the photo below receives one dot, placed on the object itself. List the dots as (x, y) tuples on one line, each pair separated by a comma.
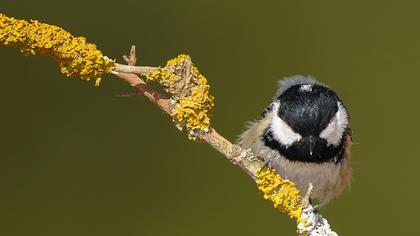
[(305, 135)]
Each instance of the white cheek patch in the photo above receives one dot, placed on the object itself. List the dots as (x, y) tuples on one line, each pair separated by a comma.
[(335, 129), (282, 132)]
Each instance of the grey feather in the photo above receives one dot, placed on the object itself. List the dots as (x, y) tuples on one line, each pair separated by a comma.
[(288, 82)]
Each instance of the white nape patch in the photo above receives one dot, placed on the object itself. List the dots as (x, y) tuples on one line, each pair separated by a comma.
[(335, 129), (282, 132), (306, 87), (288, 82)]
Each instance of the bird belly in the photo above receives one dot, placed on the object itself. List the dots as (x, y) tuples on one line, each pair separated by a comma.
[(329, 179), (324, 177)]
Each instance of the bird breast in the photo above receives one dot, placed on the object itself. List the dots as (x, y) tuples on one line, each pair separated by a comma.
[(328, 178)]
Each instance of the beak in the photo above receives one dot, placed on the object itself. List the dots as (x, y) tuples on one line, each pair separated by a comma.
[(311, 145)]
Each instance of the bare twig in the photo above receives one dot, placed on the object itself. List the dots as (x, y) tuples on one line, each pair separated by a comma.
[(132, 59), (133, 69), (235, 154), (307, 198), (141, 88)]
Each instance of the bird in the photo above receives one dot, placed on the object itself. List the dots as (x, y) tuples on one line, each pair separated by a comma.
[(305, 135)]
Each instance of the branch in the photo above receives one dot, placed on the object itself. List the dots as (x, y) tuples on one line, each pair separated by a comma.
[(189, 106), (310, 221), (234, 153)]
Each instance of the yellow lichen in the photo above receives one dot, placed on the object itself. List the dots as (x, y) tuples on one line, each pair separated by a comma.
[(192, 94), (74, 55), (162, 75), (281, 192)]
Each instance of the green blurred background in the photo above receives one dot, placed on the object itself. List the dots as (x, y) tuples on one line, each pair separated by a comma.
[(77, 160)]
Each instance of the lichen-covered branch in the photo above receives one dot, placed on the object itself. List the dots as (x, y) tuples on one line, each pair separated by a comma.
[(74, 55), (190, 104), (281, 192)]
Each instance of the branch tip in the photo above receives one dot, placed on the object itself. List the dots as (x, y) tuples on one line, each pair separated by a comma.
[(307, 198), (132, 59)]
